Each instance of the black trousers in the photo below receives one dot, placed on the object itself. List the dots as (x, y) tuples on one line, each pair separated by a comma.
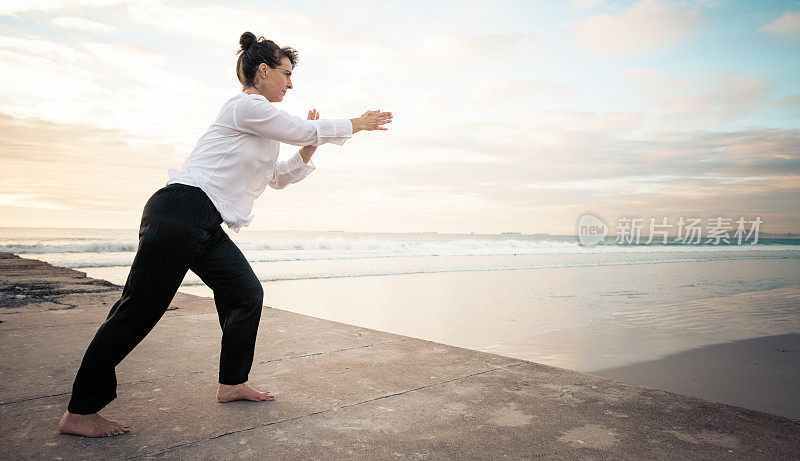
[(180, 230)]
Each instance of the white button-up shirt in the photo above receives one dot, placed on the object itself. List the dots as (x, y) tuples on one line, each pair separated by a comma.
[(237, 157)]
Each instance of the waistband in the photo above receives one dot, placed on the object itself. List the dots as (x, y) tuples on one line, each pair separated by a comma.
[(176, 185)]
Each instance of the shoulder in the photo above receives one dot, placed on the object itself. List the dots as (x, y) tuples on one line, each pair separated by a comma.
[(253, 102), (254, 99)]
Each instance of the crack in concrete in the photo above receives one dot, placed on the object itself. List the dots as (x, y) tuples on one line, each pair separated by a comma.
[(49, 326), (192, 442), (58, 301), (58, 325), (311, 354)]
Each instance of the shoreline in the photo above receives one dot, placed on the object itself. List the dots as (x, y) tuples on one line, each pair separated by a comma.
[(758, 373), (342, 392)]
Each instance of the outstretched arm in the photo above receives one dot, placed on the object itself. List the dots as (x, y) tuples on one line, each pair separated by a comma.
[(369, 121), (260, 117), (299, 166)]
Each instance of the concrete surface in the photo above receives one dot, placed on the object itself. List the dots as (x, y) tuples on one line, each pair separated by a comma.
[(341, 392)]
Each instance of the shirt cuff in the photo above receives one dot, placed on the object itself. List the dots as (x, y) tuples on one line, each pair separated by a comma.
[(336, 131), (296, 163)]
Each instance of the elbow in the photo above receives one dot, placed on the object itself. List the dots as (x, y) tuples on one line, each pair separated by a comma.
[(304, 135), (311, 135), (306, 139)]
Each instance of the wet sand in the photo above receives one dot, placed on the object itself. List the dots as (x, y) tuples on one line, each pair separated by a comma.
[(698, 356), (761, 373)]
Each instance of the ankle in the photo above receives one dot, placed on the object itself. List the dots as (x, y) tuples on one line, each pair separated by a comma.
[(231, 385)]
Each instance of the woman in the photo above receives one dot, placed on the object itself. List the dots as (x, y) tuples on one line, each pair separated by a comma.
[(231, 165)]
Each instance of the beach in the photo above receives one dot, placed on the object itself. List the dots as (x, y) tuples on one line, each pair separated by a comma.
[(621, 312), (342, 391)]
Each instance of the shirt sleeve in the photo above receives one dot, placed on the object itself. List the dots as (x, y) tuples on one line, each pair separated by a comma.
[(261, 118), (290, 171)]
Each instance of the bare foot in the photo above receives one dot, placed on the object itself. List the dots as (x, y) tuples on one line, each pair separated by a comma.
[(227, 393), (92, 425)]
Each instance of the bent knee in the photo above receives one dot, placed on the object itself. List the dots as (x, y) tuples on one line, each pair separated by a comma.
[(255, 295)]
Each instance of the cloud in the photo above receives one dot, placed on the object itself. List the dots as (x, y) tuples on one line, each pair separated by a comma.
[(28, 201), (82, 24), (786, 25), (536, 92), (697, 102), (218, 27), (790, 101), (210, 24), (75, 166), (13, 7), (649, 26), (108, 85), (587, 4), (446, 51)]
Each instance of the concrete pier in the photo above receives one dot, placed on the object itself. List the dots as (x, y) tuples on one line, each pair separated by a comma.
[(342, 392)]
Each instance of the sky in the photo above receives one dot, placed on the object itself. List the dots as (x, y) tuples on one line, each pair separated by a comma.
[(515, 116)]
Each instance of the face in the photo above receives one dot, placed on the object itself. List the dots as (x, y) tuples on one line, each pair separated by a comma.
[(274, 83)]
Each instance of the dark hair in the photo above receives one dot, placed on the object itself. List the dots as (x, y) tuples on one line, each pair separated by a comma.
[(257, 50)]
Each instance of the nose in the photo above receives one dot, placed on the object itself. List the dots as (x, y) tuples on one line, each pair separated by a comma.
[(289, 84)]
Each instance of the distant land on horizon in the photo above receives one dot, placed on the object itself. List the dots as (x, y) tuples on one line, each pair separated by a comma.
[(785, 235)]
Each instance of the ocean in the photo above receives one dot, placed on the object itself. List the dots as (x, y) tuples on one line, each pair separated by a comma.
[(542, 298)]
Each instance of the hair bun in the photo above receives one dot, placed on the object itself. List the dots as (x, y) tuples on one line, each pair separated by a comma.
[(247, 39)]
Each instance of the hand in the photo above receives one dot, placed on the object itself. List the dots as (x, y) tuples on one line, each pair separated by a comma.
[(371, 120), (312, 115), (307, 151)]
